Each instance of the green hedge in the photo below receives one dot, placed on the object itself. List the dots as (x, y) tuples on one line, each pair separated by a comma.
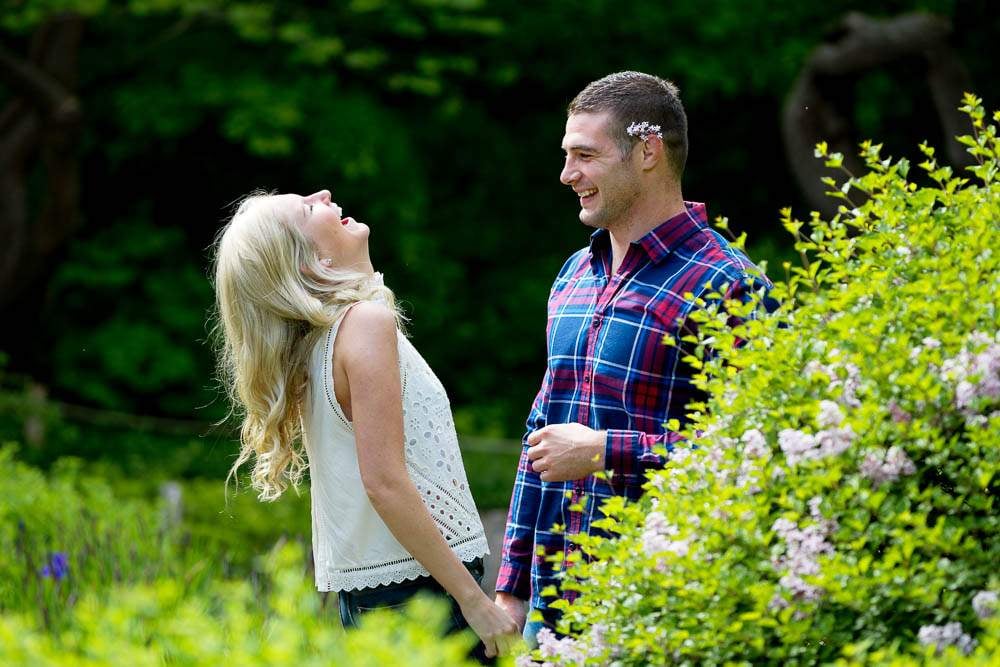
[(67, 534), (95, 578), (281, 621)]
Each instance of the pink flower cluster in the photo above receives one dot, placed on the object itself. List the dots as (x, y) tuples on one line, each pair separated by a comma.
[(706, 464), (848, 385), (887, 466), (984, 603), (977, 374), (754, 444), (755, 448), (942, 636), (799, 445), (567, 650), (803, 546), (656, 538)]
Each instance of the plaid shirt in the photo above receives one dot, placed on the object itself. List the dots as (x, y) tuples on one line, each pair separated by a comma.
[(609, 369)]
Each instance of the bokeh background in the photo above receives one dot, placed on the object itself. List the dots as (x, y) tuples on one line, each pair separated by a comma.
[(127, 129)]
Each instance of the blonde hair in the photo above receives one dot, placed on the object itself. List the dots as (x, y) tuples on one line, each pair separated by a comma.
[(273, 299)]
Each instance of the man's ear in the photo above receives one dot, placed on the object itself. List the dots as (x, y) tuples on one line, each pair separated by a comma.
[(653, 152)]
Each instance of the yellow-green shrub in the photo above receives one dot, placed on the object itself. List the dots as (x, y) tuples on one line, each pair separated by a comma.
[(65, 534), (228, 622)]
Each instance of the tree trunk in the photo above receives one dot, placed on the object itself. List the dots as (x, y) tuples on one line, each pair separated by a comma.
[(811, 113), (39, 130)]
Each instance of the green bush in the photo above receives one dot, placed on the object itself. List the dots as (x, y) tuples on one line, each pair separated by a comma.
[(96, 578), (68, 534), (230, 622), (238, 529), (837, 502)]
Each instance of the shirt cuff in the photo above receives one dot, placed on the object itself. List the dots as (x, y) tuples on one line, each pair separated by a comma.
[(514, 579), (619, 457), (626, 454)]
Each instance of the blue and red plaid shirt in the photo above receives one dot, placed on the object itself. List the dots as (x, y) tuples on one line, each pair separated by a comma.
[(609, 369)]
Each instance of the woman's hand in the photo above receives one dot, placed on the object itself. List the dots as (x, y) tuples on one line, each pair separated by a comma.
[(495, 627)]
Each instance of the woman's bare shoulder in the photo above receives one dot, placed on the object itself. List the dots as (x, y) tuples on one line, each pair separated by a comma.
[(368, 329)]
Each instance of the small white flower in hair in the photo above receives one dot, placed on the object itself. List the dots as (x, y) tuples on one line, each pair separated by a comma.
[(644, 130)]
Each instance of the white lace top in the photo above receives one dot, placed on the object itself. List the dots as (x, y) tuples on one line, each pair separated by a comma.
[(352, 547)]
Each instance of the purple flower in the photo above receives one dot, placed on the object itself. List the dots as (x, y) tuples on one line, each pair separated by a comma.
[(795, 444), (941, 636), (798, 445), (984, 603), (755, 444), (887, 467), (976, 375), (899, 415), (802, 548), (57, 567), (830, 415)]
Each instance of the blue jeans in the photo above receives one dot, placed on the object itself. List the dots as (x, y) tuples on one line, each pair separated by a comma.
[(354, 604), (531, 629)]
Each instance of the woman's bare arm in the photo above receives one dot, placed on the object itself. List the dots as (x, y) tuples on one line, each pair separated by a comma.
[(367, 349)]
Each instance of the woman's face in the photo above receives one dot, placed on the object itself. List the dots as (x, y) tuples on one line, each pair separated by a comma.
[(341, 240)]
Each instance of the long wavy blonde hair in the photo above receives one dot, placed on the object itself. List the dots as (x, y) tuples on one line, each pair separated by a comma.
[(273, 300)]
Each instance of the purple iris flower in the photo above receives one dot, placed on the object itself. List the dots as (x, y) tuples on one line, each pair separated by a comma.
[(58, 566)]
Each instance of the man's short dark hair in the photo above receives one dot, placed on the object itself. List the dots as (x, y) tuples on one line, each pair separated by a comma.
[(634, 97)]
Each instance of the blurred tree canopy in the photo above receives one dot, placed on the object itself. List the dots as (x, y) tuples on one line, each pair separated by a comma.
[(437, 122)]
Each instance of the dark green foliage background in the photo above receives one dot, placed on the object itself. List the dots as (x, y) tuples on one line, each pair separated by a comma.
[(436, 122)]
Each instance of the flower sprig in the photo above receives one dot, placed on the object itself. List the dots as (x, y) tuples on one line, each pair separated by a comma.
[(644, 130)]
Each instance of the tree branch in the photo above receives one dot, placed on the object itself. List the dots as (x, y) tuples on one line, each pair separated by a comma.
[(811, 114)]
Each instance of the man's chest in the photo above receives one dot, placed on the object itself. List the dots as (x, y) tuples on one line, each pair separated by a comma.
[(620, 322)]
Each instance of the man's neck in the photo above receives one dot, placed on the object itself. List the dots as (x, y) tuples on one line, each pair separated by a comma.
[(642, 219)]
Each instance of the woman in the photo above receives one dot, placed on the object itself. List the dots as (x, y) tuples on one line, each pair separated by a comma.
[(311, 349)]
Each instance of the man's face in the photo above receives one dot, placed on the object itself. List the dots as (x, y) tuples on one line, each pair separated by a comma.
[(606, 185)]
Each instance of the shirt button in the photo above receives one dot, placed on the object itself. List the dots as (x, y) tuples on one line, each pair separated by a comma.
[(586, 377)]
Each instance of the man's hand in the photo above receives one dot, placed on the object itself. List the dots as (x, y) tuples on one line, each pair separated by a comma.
[(563, 452), (514, 606)]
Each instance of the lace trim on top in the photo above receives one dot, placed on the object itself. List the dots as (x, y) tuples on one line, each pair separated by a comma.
[(395, 571)]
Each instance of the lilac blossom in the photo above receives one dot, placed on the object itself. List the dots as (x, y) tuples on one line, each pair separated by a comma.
[(798, 445), (942, 636), (847, 386), (976, 374), (815, 367), (833, 441), (898, 414), (755, 448), (644, 130), (802, 548), (830, 415), (887, 467), (984, 603), (656, 537), (569, 650), (795, 444), (754, 444)]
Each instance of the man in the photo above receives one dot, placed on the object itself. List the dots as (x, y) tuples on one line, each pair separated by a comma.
[(611, 384)]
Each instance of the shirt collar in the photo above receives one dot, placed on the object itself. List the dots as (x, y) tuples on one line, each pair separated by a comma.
[(663, 239)]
